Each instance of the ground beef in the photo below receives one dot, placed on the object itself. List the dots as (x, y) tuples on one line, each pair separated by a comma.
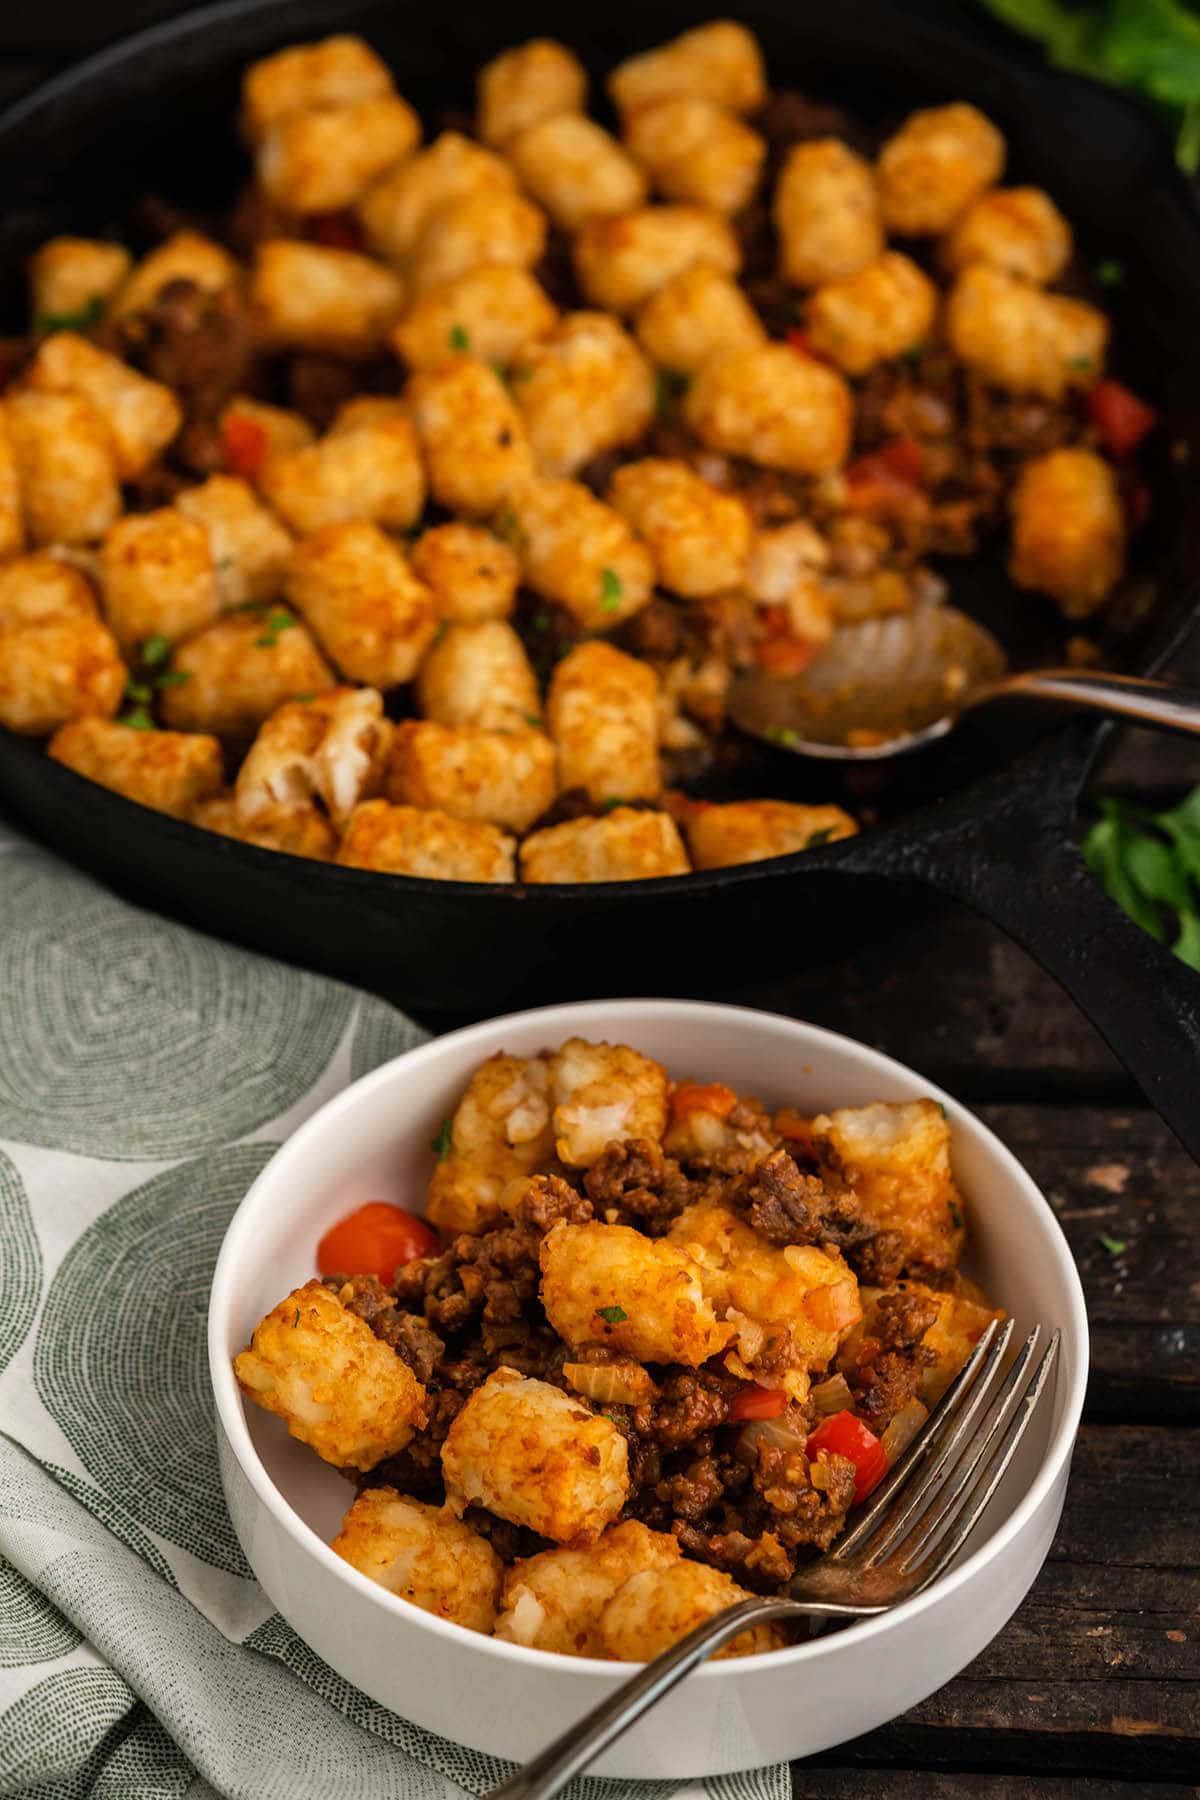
[(407, 1334), (787, 1207), (689, 1403), (892, 1360), (510, 1542), (878, 1260), (633, 1183), (199, 343)]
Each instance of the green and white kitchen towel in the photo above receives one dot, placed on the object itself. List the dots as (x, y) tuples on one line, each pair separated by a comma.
[(146, 1075)]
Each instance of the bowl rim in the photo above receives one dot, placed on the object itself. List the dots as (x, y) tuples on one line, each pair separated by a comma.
[(606, 1013)]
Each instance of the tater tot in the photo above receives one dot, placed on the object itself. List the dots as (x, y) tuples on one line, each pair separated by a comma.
[(697, 151), (1019, 230), (793, 1306), (656, 1608), (66, 467), (575, 170), (720, 61), (333, 747), (480, 230), (576, 550), (522, 86), (370, 470), (362, 602), (897, 1159), (747, 831), (309, 297), (698, 536), (424, 1555), (397, 209), (12, 523), (1068, 530), (471, 574), (472, 436), (937, 163), (537, 1457), (477, 673), (336, 1386), (499, 1135), (334, 71), (322, 159), (621, 261), (185, 256), (501, 777), (773, 406), (583, 388), (234, 673), (826, 213), (158, 578), (492, 312), (602, 712), (555, 1600), (292, 830), (74, 278), (250, 548), (625, 845), (404, 840), (58, 661), (960, 1319), (602, 1092), (170, 771), (694, 316), (1022, 339), (786, 568), (654, 1308), (885, 309)]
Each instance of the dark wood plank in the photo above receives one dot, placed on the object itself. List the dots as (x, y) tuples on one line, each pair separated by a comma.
[(1098, 1675), (816, 1783)]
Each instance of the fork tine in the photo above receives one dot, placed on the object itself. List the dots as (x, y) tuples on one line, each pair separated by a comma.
[(927, 1530), (948, 1416), (959, 1525)]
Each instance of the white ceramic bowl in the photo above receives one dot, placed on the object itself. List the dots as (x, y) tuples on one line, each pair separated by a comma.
[(373, 1140)]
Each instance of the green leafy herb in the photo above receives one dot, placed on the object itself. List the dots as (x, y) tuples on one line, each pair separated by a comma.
[(783, 734), (277, 622), (1082, 363), (914, 356), (303, 699), (612, 1315), (1151, 47), (1110, 272), (172, 678), (506, 523), (533, 719), (460, 337), (154, 650), (82, 319), (945, 1115), (821, 836), (540, 622), (296, 1320), (1114, 1246), (612, 805), (138, 719), (441, 1143), (1149, 863), (249, 606), (955, 1216), (139, 693), (610, 591)]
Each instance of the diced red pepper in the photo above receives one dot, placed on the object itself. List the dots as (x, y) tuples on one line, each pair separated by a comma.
[(1119, 416), (337, 230), (801, 343), (245, 444), (845, 1435), (905, 458), (888, 479), (694, 1096), (754, 1402), (377, 1239)]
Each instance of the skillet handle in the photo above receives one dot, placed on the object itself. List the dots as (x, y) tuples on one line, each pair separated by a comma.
[(1016, 862)]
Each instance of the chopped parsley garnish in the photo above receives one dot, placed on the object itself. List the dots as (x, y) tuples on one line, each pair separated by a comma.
[(942, 1110), (80, 320), (139, 693), (302, 699), (914, 356), (1082, 363), (277, 622), (821, 836), (532, 719), (955, 1215), (296, 1320), (460, 337), (612, 1315), (540, 622), (441, 1143), (611, 805), (138, 719), (1114, 1246), (154, 650), (1110, 272), (506, 523), (172, 678), (783, 734), (610, 591)]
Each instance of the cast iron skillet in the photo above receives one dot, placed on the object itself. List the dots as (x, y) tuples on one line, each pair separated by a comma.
[(988, 819)]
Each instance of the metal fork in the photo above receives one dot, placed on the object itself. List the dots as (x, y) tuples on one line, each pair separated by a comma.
[(915, 1523)]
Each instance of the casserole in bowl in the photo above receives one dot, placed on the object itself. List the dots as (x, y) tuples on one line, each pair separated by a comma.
[(374, 1140)]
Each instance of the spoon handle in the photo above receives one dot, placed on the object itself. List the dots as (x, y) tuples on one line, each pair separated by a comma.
[(1160, 704)]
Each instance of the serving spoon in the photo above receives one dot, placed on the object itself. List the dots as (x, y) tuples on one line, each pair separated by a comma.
[(888, 686)]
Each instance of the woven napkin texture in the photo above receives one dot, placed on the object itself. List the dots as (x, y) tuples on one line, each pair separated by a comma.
[(147, 1073)]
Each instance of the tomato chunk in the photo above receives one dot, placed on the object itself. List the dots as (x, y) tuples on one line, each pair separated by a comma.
[(375, 1240), (1119, 416), (754, 1402), (245, 444), (845, 1435)]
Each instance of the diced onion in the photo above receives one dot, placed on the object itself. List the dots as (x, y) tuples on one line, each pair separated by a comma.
[(833, 1396), (903, 1429), (611, 1384), (776, 1432)]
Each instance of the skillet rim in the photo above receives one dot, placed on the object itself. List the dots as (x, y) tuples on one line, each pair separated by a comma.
[(1070, 752)]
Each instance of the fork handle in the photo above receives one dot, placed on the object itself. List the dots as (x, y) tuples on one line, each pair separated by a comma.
[(581, 1743)]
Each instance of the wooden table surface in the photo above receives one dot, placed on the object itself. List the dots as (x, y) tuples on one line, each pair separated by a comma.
[(1093, 1689)]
